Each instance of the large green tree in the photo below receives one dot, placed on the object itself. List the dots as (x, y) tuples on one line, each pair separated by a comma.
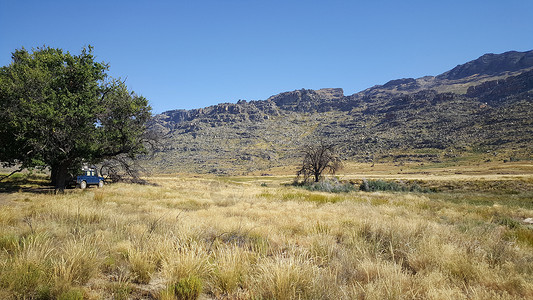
[(60, 110)]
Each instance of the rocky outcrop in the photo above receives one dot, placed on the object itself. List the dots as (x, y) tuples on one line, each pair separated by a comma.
[(402, 84), (496, 92), (491, 64), (307, 100)]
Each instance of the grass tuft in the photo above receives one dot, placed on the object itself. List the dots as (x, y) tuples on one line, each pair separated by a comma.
[(185, 289), (142, 266), (71, 294)]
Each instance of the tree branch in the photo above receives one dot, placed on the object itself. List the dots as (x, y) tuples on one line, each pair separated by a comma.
[(7, 176)]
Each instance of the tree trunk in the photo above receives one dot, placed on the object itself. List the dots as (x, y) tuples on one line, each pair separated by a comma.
[(317, 176), (53, 174), (61, 176)]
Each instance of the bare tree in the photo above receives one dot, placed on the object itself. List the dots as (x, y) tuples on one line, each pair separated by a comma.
[(126, 168), (319, 158)]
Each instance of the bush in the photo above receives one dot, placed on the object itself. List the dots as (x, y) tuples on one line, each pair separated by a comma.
[(506, 221), (329, 186), (382, 185), (8, 243), (187, 288), (72, 294), (25, 280)]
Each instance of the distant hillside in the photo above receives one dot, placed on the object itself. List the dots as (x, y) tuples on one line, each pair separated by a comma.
[(491, 64), (483, 108)]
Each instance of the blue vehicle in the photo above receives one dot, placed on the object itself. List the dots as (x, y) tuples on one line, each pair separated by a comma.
[(89, 177)]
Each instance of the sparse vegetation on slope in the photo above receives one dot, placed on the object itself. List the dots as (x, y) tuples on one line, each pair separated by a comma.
[(481, 108)]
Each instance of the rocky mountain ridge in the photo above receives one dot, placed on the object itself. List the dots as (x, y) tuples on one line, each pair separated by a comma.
[(491, 64), (482, 106)]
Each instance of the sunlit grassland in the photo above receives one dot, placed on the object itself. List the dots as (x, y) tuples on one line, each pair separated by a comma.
[(256, 238)]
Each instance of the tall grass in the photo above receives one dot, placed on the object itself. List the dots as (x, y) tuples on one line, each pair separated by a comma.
[(192, 238)]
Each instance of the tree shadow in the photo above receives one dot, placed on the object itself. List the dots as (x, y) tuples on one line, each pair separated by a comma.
[(27, 184)]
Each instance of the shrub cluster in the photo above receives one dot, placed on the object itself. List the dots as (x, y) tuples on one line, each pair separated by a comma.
[(330, 186), (335, 186), (382, 185)]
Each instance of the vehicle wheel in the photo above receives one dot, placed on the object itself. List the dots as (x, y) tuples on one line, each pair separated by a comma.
[(101, 184), (83, 185)]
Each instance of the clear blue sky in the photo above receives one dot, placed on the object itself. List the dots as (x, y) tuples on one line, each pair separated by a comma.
[(192, 54)]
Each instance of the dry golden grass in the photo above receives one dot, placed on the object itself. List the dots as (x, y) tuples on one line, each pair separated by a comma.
[(237, 238)]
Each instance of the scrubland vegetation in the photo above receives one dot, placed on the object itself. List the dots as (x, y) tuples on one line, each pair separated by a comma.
[(203, 237)]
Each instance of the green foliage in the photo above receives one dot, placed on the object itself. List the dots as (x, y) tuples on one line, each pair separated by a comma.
[(121, 290), (26, 280), (60, 110), (506, 221), (382, 185), (329, 186), (188, 288), (47, 95), (9, 243), (524, 235), (334, 186), (71, 294)]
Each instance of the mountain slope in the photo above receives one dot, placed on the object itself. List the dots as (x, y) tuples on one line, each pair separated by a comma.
[(491, 64), (481, 108)]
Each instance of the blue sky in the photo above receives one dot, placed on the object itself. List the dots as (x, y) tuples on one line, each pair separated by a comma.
[(192, 54)]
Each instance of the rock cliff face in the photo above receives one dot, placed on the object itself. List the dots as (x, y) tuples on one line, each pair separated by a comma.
[(483, 106), (296, 101), (496, 92), (308, 100)]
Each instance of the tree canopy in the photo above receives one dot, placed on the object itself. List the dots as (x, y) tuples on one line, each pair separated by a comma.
[(60, 111)]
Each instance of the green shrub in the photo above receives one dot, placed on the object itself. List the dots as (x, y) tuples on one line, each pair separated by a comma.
[(25, 280), (506, 221), (382, 185), (71, 294), (9, 243), (121, 290), (329, 186), (524, 235), (188, 288)]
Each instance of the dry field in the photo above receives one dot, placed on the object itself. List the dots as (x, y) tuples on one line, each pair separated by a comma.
[(254, 238)]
